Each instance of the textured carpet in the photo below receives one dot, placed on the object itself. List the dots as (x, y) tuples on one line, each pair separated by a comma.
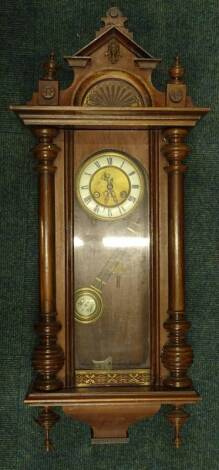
[(29, 30)]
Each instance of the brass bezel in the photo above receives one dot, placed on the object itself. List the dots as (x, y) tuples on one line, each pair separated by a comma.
[(112, 153), (94, 293)]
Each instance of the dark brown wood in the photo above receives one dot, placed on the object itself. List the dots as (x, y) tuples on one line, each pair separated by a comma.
[(78, 396), (154, 169), (69, 256), (177, 354), (48, 356)]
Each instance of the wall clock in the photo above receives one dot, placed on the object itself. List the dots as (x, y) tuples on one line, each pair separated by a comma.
[(112, 327)]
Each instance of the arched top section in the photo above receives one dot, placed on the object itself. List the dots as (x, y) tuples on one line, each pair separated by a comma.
[(114, 90)]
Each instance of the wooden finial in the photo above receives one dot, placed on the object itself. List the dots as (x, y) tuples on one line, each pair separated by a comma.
[(50, 68), (176, 72)]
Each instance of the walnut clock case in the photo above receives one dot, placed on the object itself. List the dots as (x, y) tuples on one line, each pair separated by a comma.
[(112, 327)]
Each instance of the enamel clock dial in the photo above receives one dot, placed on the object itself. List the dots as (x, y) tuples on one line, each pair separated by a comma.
[(109, 185)]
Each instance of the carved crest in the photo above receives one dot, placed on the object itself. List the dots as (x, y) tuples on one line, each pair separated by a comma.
[(113, 51), (114, 17)]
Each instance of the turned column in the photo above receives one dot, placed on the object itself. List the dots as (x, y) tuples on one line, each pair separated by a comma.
[(48, 356), (177, 354)]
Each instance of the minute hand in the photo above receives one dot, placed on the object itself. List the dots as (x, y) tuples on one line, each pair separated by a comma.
[(113, 194)]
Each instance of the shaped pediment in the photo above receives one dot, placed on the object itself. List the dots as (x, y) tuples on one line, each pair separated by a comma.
[(112, 39), (114, 33)]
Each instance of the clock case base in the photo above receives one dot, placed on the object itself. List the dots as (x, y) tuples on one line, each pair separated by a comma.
[(110, 412)]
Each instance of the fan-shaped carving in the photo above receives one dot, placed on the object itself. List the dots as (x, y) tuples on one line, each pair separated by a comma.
[(113, 93)]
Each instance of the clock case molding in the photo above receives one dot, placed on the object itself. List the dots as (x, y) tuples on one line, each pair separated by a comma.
[(111, 91)]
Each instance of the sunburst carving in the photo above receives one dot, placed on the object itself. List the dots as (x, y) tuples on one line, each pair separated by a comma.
[(113, 93)]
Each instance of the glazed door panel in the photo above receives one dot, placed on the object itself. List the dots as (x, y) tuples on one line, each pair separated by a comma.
[(111, 256)]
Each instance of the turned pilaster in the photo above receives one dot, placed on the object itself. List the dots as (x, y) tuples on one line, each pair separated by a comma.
[(48, 356), (177, 354)]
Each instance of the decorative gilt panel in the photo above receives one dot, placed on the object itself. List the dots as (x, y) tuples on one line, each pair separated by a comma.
[(113, 93), (114, 377)]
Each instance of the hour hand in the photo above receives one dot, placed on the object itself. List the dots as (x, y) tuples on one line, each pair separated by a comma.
[(106, 197), (113, 194)]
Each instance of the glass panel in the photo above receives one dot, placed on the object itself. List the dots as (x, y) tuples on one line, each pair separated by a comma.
[(111, 255)]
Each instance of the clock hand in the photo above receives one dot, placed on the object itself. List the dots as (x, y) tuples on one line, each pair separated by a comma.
[(108, 270), (113, 194), (106, 178), (110, 189), (106, 194)]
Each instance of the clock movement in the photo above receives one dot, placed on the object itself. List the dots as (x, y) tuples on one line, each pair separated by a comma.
[(112, 327)]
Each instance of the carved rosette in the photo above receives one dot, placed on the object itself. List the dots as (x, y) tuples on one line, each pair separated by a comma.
[(177, 354), (48, 356)]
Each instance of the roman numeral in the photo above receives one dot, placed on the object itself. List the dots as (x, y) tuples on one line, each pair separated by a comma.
[(122, 164), (97, 164), (85, 187), (121, 209), (96, 209), (109, 160), (109, 213), (87, 199), (132, 198), (132, 173), (88, 174), (135, 186)]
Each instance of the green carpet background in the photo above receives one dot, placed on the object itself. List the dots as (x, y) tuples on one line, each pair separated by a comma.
[(29, 30)]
